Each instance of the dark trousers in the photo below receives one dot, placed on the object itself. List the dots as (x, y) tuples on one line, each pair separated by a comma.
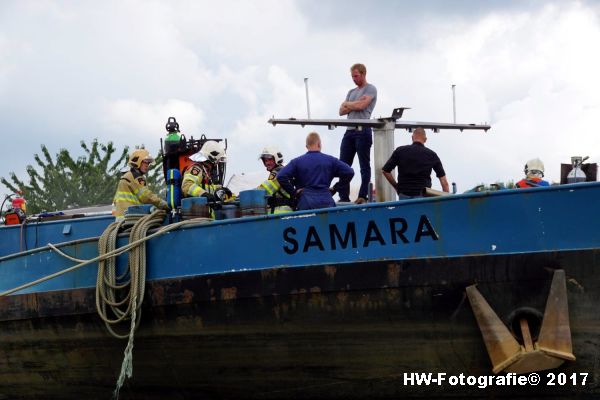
[(359, 143)]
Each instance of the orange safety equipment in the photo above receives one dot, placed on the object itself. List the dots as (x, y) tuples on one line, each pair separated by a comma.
[(531, 182)]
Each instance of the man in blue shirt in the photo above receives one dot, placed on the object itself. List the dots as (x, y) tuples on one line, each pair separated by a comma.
[(359, 104), (312, 174)]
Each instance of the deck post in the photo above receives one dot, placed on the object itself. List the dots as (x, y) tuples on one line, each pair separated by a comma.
[(383, 146)]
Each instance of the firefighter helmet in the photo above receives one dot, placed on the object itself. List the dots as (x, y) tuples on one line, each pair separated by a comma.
[(211, 151), (139, 155), (534, 167), (272, 152)]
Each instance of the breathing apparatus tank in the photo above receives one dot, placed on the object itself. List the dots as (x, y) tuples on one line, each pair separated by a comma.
[(173, 188), (176, 152), (576, 175), (172, 145)]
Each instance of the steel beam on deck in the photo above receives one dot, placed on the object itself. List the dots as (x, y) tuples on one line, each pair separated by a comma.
[(383, 138), (375, 124)]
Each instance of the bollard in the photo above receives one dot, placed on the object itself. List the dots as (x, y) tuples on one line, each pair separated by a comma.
[(227, 211), (194, 207), (253, 202)]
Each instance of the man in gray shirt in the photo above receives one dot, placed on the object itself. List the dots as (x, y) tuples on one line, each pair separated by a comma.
[(359, 104)]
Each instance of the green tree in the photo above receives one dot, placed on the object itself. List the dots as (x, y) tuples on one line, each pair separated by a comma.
[(64, 183), (155, 179)]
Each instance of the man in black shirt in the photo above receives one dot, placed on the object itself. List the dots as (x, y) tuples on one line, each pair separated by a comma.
[(414, 163)]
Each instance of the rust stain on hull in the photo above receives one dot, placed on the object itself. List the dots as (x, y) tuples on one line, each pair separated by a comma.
[(229, 293)]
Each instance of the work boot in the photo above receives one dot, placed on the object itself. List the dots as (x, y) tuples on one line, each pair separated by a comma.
[(360, 200)]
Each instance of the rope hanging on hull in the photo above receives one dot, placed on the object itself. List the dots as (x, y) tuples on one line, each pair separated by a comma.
[(115, 295), (123, 295), (119, 298), (110, 288)]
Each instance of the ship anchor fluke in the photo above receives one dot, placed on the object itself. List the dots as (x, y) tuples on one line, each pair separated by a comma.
[(553, 346)]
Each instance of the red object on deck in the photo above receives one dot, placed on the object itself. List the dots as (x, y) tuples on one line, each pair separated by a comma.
[(19, 202), (11, 218)]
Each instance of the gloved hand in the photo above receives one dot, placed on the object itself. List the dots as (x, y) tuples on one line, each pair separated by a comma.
[(223, 194), (163, 205), (211, 198), (332, 190), (228, 192)]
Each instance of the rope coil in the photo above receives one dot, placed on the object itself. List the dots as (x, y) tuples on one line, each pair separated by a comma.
[(123, 295), (119, 298), (114, 253)]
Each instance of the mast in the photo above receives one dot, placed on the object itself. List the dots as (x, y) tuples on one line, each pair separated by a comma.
[(453, 102), (307, 100)]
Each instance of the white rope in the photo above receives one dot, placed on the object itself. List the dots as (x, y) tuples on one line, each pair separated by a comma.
[(108, 283), (119, 298), (114, 253)]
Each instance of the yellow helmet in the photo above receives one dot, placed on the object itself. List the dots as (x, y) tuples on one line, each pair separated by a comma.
[(139, 155)]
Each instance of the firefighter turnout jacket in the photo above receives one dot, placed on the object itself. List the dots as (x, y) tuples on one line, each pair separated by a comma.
[(280, 201), (132, 191), (196, 181)]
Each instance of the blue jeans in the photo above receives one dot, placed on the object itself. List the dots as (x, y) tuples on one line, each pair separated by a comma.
[(357, 142)]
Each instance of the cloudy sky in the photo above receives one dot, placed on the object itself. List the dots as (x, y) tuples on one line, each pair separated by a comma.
[(116, 70)]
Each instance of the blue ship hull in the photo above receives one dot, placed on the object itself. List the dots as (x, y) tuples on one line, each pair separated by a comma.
[(328, 304)]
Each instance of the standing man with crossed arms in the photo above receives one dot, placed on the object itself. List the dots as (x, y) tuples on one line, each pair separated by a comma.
[(359, 104)]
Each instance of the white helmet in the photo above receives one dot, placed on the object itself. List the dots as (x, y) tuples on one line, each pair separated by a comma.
[(534, 167), (211, 151), (272, 152)]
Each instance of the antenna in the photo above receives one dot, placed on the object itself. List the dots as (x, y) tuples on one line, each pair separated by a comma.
[(454, 102), (307, 100)]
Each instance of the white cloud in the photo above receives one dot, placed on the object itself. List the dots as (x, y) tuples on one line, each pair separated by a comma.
[(143, 123), (118, 70)]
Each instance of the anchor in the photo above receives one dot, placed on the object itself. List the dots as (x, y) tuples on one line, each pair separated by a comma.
[(553, 346)]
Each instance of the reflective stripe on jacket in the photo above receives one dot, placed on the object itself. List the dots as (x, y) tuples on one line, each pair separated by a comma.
[(273, 188), (132, 191), (196, 182), (280, 196)]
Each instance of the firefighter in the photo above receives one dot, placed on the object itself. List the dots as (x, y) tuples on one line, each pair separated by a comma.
[(132, 189), (279, 200), (197, 180), (534, 172)]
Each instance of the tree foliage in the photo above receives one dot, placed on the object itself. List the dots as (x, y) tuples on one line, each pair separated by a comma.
[(66, 182), (155, 177)]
